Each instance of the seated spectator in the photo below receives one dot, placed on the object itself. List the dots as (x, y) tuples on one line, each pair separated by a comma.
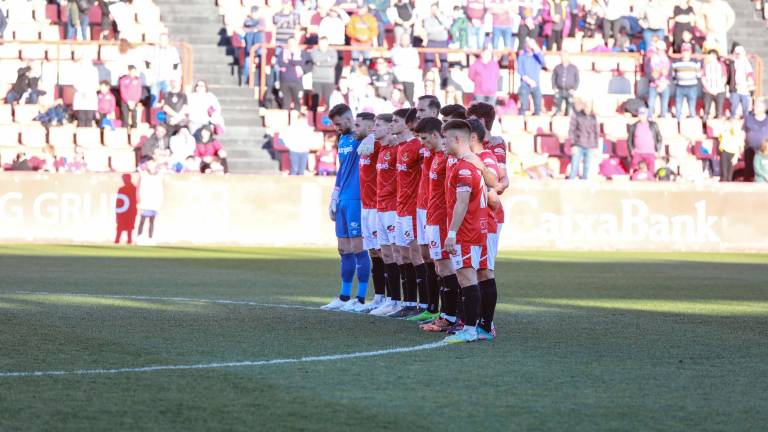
[(327, 157), (55, 114), (105, 115), (158, 145), (324, 61), (209, 150), (403, 15), (363, 31), (761, 163), (565, 81), (163, 65), (130, 97), (484, 73), (182, 145), (86, 100), (530, 62), (201, 104), (20, 86), (292, 61), (175, 108), (686, 74), (383, 79), (731, 145), (658, 72), (34, 92), (713, 83), (77, 164), (619, 84), (741, 81), (406, 66), (583, 132), (333, 26), (642, 173), (644, 141)]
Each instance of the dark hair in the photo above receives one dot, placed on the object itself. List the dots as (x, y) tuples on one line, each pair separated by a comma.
[(428, 125), (485, 112), (455, 111), (367, 116), (131, 67), (338, 110), (713, 52), (401, 113), (104, 82), (386, 118), (411, 116), (461, 125), (434, 103), (477, 128)]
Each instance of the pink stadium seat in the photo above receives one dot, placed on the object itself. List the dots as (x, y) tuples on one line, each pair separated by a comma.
[(52, 12), (25, 113), (33, 136), (620, 148), (117, 138), (10, 51), (97, 159), (548, 144), (512, 124), (61, 137), (88, 137), (706, 149), (560, 126), (6, 114), (122, 160), (9, 134), (538, 124)]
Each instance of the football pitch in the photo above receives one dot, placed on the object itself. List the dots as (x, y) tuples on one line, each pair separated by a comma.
[(108, 338)]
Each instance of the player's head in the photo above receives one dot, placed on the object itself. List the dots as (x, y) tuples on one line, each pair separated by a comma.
[(453, 112), (364, 124), (457, 134), (478, 134), (382, 126), (427, 106), (398, 121), (429, 132), (484, 112), (410, 119), (341, 116)]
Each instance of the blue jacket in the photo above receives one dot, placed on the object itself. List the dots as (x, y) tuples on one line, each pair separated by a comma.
[(530, 65)]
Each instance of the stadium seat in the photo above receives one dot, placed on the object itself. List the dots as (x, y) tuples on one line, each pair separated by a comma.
[(62, 137), (615, 127), (33, 136), (606, 64), (60, 52), (122, 160), (52, 12), (97, 159), (275, 119), (9, 70), (50, 33), (68, 71), (109, 53), (538, 124), (117, 138), (561, 126), (715, 127), (90, 51), (33, 52), (548, 144), (512, 124), (24, 114), (627, 64), (139, 134), (9, 134), (620, 148), (667, 128), (88, 137), (10, 51), (6, 114), (26, 33), (521, 143), (691, 128)]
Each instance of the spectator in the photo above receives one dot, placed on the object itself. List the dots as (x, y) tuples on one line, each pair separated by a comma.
[(333, 26), (407, 66), (558, 17), (687, 38), (760, 162), (503, 23), (20, 86), (658, 71), (613, 20), (158, 145), (291, 62), (327, 157), (475, 12), (175, 108), (130, 95), (714, 78), (86, 84), (378, 9), (565, 81), (459, 29), (383, 79), (150, 199), (654, 19), (619, 84), (686, 73), (163, 66), (78, 22), (287, 23), (182, 146), (642, 173), (363, 31), (685, 18), (644, 141), (485, 74), (756, 132), (209, 150), (716, 17), (583, 132), (296, 139), (436, 34), (202, 103), (55, 114), (128, 55), (591, 17), (527, 28), (530, 61), (254, 26), (34, 93), (3, 25), (731, 145), (324, 61), (107, 106), (106, 20), (403, 15), (741, 81)]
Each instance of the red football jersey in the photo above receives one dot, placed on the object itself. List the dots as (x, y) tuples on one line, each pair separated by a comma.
[(368, 177), (465, 177), (386, 179), (422, 201), (436, 208), (408, 176), (489, 160), (499, 149)]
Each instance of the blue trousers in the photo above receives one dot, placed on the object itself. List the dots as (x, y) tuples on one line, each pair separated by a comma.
[(524, 92), (72, 30), (579, 156), (476, 37), (652, 94), (503, 33), (736, 99), (690, 94)]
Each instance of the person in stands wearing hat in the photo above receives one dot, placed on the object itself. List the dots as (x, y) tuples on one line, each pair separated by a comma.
[(644, 141), (686, 73)]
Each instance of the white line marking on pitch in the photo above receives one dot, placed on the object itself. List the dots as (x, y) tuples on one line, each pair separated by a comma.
[(209, 365)]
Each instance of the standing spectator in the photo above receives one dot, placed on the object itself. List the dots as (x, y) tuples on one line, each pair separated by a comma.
[(378, 9), (403, 15), (150, 198), (685, 18), (644, 141), (613, 20), (756, 131), (436, 34), (107, 106), (741, 81), (130, 96), (201, 104), (287, 23), (333, 26), (716, 17), (475, 11), (565, 81), (163, 66), (20, 86), (654, 17), (86, 100), (175, 108), (254, 26), (459, 29), (503, 23), (686, 73), (731, 145), (484, 73), (760, 162), (107, 23), (326, 161), (363, 31), (530, 62), (382, 79), (209, 150), (714, 78), (296, 139), (658, 72), (558, 15), (3, 25), (324, 61), (78, 22), (291, 62), (583, 133), (407, 67), (158, 145), (527, 27)]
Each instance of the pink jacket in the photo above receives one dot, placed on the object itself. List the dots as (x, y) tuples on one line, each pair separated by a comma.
[(485, 76)]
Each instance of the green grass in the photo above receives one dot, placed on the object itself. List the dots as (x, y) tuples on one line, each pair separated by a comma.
[(588, 341)]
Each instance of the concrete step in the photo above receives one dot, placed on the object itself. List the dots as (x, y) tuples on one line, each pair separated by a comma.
[(250, 166), (254, 132)]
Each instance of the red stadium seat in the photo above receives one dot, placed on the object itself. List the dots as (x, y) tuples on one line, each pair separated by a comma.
[(538, 124), (620, 148), (52, 12), (548, 144)]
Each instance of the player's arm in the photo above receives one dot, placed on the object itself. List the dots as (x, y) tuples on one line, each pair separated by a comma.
[(489, 175), (503, 178), (493, 200), (459, 211), (335, 197)]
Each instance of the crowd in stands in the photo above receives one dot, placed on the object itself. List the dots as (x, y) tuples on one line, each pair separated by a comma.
[(532, 59)]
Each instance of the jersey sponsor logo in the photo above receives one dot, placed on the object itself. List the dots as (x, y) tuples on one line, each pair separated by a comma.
[(489, 161), (391, 229), (498, 151), (345, 150), (465, 172), (433, 175), (402, 167), (354, 224), (366, 161), (387, 156), (382, 166)]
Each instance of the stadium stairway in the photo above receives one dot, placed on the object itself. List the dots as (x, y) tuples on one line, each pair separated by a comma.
[(198, 23), (750, 30)]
